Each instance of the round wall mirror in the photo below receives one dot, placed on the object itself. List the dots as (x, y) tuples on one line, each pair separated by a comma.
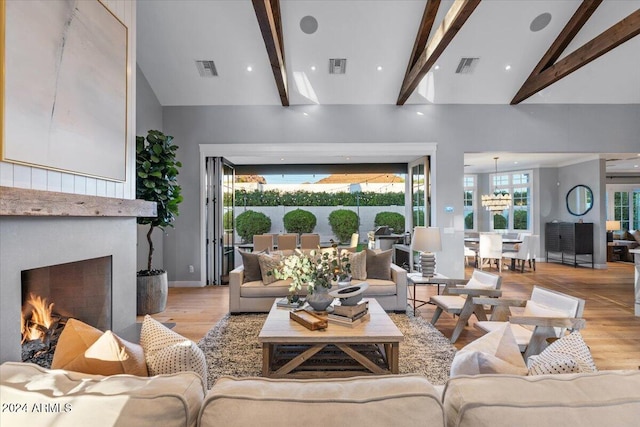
[(579, 200)]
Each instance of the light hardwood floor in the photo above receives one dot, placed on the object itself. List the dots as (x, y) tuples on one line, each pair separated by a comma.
[(612, 332)]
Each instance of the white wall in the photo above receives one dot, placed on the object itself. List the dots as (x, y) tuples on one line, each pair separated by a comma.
[(29, 242), (455, 128), (14, 175)]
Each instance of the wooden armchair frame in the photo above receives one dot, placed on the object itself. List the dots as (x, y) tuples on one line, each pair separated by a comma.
[(466, 306), (544, 329)]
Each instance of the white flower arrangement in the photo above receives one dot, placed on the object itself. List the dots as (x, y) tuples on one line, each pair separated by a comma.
[(312, 270)]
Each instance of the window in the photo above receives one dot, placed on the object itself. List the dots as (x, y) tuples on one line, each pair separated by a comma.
[(518, 216), (626, 209), (470, 211)]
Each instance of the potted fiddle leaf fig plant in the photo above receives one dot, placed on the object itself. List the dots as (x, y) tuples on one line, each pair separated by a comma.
[(156, 181)]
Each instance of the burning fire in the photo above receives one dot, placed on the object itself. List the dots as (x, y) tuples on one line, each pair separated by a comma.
[(40, 319)]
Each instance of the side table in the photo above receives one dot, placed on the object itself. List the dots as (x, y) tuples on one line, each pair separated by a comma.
[(418, 279)]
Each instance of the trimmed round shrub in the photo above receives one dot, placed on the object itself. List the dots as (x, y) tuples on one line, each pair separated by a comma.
[(250, 222), (468, 221), (299, 221), (499, 222), (343, 223), (393, 220)]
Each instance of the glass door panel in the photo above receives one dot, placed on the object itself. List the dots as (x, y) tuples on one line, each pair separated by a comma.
[(220, 220)]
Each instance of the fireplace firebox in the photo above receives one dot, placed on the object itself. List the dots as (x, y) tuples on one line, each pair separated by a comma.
[(53, 294)]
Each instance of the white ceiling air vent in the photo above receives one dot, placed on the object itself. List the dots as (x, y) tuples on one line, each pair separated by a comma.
[(467, 65), (337, 65), (206, 68)]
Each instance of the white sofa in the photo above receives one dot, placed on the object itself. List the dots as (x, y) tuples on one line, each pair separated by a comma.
[(35, 396), (254, 296)]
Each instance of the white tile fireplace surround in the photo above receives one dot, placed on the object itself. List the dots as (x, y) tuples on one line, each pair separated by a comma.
[(30, 242)]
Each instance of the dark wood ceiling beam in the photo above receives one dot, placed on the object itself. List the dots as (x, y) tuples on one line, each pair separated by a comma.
[(268, 14), (428, 17), (570, 30), (452, 23), (619, 33)]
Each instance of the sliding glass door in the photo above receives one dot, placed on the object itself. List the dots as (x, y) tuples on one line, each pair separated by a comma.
[(220, 228)]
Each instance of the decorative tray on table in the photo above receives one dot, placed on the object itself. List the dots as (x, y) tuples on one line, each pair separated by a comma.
[(309, 320)]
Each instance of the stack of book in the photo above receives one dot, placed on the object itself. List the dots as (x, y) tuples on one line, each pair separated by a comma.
[(349, 315)]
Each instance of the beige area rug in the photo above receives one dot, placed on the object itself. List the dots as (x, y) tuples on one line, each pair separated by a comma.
[(232, 347)]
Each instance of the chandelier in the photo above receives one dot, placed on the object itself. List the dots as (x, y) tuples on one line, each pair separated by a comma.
[(499, 200)]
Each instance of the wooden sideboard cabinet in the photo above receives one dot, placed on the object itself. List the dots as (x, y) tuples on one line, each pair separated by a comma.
[(569, 242)]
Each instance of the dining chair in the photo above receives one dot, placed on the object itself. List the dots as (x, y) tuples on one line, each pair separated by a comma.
[(354, 240), (309, 241), (490, 248), (287, 242), (262, 242), (525, 251)]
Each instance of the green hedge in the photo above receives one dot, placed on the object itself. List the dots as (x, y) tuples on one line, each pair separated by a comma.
[(307, 198), (343, 223), (299, 221), (390, 219)]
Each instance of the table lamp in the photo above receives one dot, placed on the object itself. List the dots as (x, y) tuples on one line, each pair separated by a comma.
[(426, 240), (611, 227)]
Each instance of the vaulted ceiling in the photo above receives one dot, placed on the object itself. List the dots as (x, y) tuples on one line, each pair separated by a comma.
[(377, 37), (396, 51)]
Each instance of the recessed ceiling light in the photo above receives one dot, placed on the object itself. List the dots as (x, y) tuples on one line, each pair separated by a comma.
[(313, 68), (348, 158), (249, 68), (635, 166), (437, 67), (282, 159), (305, 114), (420, 113), (507, 67), (515, 163), (379, 68)]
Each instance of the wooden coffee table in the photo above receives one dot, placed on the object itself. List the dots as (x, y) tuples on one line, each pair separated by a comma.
[(289, 350)]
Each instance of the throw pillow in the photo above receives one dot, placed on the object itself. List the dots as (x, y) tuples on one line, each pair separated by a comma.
[(474, 283), (268, 263), (75, 339), (167, 352), (378, 265), (568, 354), (495, 353), (636, 236), (251, 266), (83, 348), (110, 355), (358, 262)]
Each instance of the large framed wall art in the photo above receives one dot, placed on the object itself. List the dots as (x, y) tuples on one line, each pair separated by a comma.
[(65, 87)]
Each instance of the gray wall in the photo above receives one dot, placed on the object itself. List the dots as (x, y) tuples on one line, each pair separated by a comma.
[(455, 128), (148, 117)]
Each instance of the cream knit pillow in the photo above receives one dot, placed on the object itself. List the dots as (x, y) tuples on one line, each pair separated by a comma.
[(168, 352), (568, 354)]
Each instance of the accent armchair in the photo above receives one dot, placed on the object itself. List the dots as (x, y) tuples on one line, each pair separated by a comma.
[(458, 300), (546, 316)]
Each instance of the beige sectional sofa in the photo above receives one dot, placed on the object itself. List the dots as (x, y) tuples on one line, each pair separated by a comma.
[(32, 395), (255, 296)]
